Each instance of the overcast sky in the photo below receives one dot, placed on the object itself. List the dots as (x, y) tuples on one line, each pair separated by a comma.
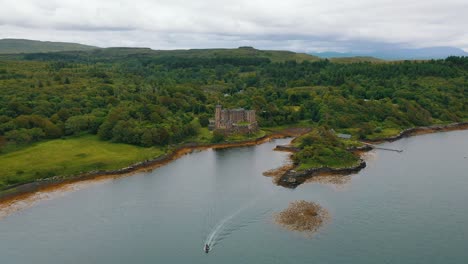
[(299, 25)]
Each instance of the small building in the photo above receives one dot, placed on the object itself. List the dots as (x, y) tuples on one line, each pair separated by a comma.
[(340, 135), (344, 136), (234, 120)]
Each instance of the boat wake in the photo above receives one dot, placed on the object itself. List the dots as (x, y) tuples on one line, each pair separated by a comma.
[(227, 226)]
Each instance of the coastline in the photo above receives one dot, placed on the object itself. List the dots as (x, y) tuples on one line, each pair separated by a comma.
[(415, 131), (292, 178), (17, 193)]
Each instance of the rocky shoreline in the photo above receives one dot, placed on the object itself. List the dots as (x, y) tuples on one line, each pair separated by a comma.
[(421, 131), (286, 148), (293, 178)]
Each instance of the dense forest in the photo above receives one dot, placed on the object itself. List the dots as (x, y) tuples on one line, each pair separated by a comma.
[(144, 99)]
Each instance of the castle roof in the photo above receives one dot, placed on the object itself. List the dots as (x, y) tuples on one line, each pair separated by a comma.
[(235, 110)]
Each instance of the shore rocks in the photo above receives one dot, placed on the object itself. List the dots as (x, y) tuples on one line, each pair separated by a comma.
[(293, 178), (287, 148)]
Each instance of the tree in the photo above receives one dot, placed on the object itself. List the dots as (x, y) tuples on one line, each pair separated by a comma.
[(204, 121), (25, 136), (218, 136), (147, 138), (3, 142)]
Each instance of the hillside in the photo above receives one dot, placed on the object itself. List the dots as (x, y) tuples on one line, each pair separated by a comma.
[(273, 55), (9, 46), (356, 59), (175, 56)]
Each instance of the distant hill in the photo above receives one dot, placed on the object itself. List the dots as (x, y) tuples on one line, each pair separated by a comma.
[(124, 53), (355, 59), (11, 46), (273, 55), (399, 53)]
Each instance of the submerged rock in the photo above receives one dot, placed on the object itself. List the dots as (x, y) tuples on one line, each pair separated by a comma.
[(302, 216)]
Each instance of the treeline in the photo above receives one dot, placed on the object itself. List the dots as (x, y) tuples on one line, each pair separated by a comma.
[(146, 100), (147, 59), (177, 62)]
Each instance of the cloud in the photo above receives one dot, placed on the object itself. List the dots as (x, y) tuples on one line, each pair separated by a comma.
[(294, 24)]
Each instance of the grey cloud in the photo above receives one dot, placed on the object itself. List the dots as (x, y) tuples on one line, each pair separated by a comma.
[(295, 24), (76, 27)]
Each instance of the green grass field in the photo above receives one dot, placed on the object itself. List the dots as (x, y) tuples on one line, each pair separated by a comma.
[(69, 157), (348, 143), (242, 137), (204, 136), (302, 123), (330, 163), (385, 133)]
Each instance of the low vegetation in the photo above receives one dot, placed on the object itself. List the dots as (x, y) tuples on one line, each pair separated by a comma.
[(322, 148), (69, 157)]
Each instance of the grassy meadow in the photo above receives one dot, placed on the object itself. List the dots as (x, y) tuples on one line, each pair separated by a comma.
[(68, 157)]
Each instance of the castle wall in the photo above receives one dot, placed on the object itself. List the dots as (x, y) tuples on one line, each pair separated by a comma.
[(228, 119), (250, 116), (236, 115), (218, 117)]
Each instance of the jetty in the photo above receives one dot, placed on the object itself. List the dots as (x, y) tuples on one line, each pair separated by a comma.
[(388, 149)]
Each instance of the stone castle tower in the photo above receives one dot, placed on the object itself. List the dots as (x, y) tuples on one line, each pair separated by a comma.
[(234, 120), (218, 111)]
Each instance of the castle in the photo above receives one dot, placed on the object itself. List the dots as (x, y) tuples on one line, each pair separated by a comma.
[(234, 120)]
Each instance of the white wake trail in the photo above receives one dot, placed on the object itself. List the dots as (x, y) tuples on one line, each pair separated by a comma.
[(212, 238)]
